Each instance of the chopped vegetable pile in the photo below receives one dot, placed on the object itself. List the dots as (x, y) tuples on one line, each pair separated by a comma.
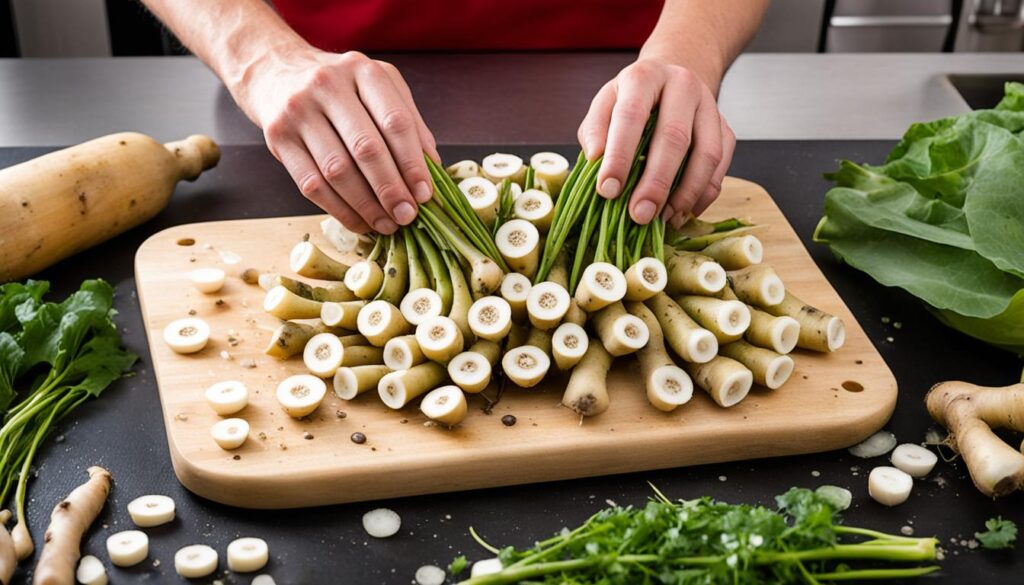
[(705, 541), (943, 218)]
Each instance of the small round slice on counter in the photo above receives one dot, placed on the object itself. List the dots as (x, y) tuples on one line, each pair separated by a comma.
[(430, 575), (263, 580), (889, 486), (187, 335), (913, 459), (382, 523), (128, 548), (300, 395), (323, 354), (246, 555), (230, 433), (207, 280), (91, 571), (194, 561), (152, 510), (227, 397), (446, 405)]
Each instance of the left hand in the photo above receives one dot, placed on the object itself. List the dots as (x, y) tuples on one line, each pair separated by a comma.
[(687, 115)]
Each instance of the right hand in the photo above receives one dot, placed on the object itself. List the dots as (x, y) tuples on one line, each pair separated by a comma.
[(346, 128)]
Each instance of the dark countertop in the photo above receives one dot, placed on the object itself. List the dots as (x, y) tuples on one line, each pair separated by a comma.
[(123, 430)]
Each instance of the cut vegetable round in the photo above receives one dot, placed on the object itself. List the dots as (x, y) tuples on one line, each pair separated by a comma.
[(230, 433), (758, 285), (397, 389), (300, 395), (736, 252), (550, 171), (490, 318), (669, 387), (207, 280), (350, 382), (690, 273), (248, 554), (341, 314), (526, 365), (364, 278), (402, 353), (500, 166), (153, 510), (430, 575), (187, 335), (310, 261), (421, 304), (546, 304), (779, 334), (536, 207), (382, 523), (285, 304), (227, 397), (620, 332), (128, 548), (876, 445), (486, 567), (839, 497), (482, 196), (322, 355), (446, 405), (726, 319), (601, 285), (439, 338), (91, 571), (914, 460), (725, 379), (463, 170), (518, 242), (379, 321), (470, 371), (644, 279), (515, 288), (889, 486), (194, 561), (770, 369), (568, 345)]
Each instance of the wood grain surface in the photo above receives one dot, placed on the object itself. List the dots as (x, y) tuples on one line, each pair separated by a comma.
[(292, 463)]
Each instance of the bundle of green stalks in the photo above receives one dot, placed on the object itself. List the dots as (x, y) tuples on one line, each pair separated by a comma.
[(520, 269)]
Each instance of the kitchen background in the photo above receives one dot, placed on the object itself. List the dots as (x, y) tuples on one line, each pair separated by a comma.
[(103, 28)]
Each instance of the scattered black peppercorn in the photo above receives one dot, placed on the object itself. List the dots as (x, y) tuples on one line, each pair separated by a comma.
[(307, 435), (508, 420), (341, 414), (358, 438), (237, 457)]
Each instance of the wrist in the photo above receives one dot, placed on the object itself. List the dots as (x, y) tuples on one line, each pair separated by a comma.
[(706, 65), (245, 73)]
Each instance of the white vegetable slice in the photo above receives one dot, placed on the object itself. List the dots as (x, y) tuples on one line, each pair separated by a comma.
[(364, 278), (300, 395), (526, 365), (463, 169), (128, 548), (323, 354), (669, 387), (187, 335), (402, 353), (446, 405), (645, 279), (440, 338), (536, 207), (91, 571), (470, 371), (486, 567), (382, 523), (227, 397), (207, 280), (490, 318), (339, 236), (499, 166), (839, 497), (263, 580), (877, 444), (601, 285), (550, 170), (913, 459), (482, 195), (152, 510), (353, 381), (889, 486), (515, 288), (421, 304), (568, 344), (430, 575), (546, 304), (230, 433), (379, 321), (248, 554), (518, 241), (194, 561)]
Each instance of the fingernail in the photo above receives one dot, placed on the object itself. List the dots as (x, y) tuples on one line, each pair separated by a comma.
[(610, 188), (643, 213), (404, 213), (422, 192), (667, 212), (384, 226)]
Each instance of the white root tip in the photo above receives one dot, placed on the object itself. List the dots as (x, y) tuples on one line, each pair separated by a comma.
[(398, 355), (470, 371), (376, 318), (889, 486), (346, 385), (836, 333), (446, 405), (645, 279), (500, 166), (518, 241), (785, 333), (421, 304), (753, 249), (702, 346), (568, 344), (735, 388), (526, 365), (734, 318), (490, 318), (546, 304), (299, 256), (914, 460), (536, 207), (515, 287), (631, 332), (773, 291), (549, 163), (439, 338), (601, 285), (712, 277), (670, 387), (300, 395), (778, 371), (480, 192), (323, 354), (392, 391)]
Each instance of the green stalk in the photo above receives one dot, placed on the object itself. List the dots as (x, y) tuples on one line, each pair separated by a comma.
[(575, 203), (378, 248), (530, 178), (417, 273), (582, 245), (438, 271), (396, 272), (454, 238), (859, 574)]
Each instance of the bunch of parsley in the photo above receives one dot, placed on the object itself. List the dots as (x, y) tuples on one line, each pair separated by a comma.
[(53, 357), (705, 541)]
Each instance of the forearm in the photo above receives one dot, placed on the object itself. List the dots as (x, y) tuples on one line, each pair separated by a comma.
[(704, 36)]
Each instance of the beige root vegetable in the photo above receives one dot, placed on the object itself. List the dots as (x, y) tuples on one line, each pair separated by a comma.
[(8, 559), (690, 273), (364, 279), (421, 304), (306, 259), (518, 242), (344, 315), (726, 380), (471, 370), (587, 390), (336, 292), (379, 321), (500, 166), (70, 200), (515, 288), (736, 252), (559, 275), (68, 522), (536, 207), (439, 338), (350, 382), (620, 332), (445, 405), (779, 334), (402, 353), (568, 345), (971, 413), (360, 355), (526, 365), (490, 318), (397, 389), (462, 300), (550, 171), (464, 169), (290, 338), (482, 196), (770, 369), (645, 279), (819, 331), (601, 285), (546, 304), (668, 386), (323, 354), (758, 285), (300, 395), (726, 319), (687, 339), (284, 304)]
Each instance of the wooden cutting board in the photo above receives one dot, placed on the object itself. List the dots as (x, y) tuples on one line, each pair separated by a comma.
[(832, 401)]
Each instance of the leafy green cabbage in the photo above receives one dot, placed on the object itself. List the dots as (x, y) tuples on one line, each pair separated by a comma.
[(943, 219)]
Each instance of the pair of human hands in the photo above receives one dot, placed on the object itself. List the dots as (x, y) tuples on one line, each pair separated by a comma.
[(348, 131)]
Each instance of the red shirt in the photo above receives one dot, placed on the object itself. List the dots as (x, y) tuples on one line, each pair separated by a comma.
[(471, 25)]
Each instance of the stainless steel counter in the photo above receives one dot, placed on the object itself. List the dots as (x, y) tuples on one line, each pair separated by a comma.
[(483, 99)]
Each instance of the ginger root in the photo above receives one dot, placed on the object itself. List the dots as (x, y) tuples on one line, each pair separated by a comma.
[(70, 519), (970, 413)]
